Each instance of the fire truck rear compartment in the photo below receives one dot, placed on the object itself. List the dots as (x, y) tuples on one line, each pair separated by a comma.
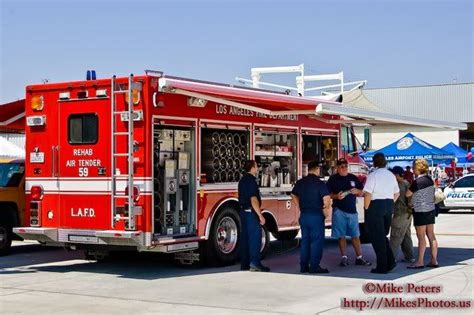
[(173, 185)]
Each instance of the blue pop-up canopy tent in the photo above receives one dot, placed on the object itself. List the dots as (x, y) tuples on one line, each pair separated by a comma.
[(459, 153), (410, 148)]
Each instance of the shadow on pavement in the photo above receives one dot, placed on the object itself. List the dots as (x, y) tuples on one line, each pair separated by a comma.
[(283, 257), (331, 258), (25, 254)]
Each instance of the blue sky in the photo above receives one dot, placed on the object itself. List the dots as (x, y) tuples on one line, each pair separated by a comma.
[(388, 43)]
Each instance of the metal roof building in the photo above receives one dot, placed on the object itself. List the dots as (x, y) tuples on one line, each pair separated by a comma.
[(449, 102)]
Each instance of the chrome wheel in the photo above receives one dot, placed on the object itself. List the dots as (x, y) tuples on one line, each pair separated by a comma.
[(264, 240), (227, 235), (3, 236)]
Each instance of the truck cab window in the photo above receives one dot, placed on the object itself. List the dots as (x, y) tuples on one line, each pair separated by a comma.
[(82, 129), (346, 140), (11, 174)]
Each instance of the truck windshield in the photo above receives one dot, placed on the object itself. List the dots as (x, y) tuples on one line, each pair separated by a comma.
[(349, 141), (11, 174)]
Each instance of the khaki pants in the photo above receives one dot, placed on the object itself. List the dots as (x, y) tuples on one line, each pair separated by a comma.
[(400, 234)]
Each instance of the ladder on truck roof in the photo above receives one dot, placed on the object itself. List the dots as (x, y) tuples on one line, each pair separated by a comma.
[(125, 115)]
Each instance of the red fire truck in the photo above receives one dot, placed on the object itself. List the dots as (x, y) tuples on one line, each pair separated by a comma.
[(151, 163)]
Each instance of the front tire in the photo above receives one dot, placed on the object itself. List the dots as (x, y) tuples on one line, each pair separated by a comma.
[(442, 208), (286, 235), (265, 242), (6, 235)]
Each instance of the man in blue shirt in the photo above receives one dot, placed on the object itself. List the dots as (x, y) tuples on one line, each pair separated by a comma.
[(311, 197), (344, 188), (250, 220)]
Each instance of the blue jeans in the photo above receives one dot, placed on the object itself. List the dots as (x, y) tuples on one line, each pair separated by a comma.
[(250, 239), (312, 239)]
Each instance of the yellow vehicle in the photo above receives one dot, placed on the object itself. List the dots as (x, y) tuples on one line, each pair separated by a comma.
[(12, 201)]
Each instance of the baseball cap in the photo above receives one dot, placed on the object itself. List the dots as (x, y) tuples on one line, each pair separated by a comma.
[(397, 170), (341, 161)]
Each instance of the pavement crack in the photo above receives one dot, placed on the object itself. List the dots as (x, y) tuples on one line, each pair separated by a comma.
[(153, 301)]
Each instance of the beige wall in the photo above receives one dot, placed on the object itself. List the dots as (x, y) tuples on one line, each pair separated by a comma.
[(382, 136)]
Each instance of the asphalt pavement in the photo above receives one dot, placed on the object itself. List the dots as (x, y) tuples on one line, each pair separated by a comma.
[(40, 280)]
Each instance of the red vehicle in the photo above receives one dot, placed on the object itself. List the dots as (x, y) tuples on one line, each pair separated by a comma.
[(166, 180)]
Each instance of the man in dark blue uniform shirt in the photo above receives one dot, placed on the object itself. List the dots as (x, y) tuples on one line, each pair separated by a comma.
[(344, 188), (250, 220), (311, 197)]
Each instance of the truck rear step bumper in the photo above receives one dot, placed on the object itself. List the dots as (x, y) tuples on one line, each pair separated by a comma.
[(47, 235), (141, 240)]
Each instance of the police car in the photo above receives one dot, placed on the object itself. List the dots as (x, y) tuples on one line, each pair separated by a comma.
[(460, 194)]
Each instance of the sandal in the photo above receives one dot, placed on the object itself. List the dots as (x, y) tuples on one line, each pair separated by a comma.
[(432, 265), (415, 267)]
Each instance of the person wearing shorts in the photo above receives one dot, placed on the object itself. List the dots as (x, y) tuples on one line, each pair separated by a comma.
[(344, 188), (422, 191)]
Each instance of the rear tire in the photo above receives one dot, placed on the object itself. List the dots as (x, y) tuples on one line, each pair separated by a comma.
[(222, 247), (286, 235)]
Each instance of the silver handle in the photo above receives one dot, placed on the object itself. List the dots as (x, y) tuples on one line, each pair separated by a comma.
[(53, 168), (54, 150), (154, 100)]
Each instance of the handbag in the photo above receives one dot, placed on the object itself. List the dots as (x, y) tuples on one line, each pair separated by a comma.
[(439, 196)]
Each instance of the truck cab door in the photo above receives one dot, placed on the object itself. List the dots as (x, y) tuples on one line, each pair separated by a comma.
[(84, 164)]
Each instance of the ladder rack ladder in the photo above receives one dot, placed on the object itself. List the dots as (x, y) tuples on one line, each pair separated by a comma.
[(128, 154)]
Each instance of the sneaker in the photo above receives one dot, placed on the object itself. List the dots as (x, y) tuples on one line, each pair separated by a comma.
[(319, 269), (344, 262), (260, 268), (362, 262), (392, 266)]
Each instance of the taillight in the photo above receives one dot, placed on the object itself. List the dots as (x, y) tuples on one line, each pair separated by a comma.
[(35, 213), (36, 193), (136, 193)]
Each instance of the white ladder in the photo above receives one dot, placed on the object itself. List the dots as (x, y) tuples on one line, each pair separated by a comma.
[(130, 218)]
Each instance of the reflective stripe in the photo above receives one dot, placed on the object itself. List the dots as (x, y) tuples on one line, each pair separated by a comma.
[(81, 185)]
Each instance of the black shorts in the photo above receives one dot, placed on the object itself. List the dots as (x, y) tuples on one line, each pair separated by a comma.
[(423, 218)]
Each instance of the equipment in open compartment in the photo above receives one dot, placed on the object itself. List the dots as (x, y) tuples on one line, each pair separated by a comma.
[(223, 154), (275, 154), (173, 169)]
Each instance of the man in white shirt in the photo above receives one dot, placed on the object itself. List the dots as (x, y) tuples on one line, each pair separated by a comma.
[(380, 192)]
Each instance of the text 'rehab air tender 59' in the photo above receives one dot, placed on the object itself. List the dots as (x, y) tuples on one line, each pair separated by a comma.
[(151, 162)]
